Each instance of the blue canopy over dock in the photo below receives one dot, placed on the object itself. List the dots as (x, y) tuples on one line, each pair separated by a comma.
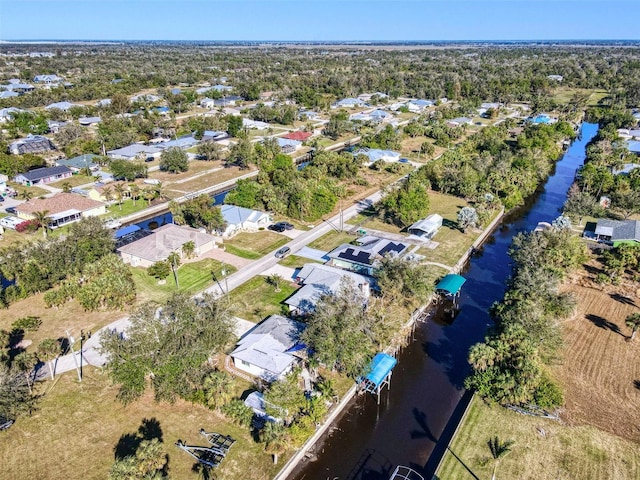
[(379, 374), (128, 230), (450, 284)]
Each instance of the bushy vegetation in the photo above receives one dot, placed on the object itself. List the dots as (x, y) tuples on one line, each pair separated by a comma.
[(37, 267), (509, 367)]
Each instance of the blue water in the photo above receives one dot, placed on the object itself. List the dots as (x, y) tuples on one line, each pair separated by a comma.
[(427, 391)]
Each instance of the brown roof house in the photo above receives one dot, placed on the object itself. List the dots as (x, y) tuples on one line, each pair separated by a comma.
[(163, 241), (61, 209)]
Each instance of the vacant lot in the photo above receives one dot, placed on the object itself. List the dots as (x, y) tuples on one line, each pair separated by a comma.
[(73, 180), (543, 449), (75, 432), (206, 180), (601, 369), (256, 299), (254, 245), (331, 240)]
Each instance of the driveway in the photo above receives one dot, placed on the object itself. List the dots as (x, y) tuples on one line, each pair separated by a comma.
[(226, 257), (292, 233), (313, 254), (287, 273)]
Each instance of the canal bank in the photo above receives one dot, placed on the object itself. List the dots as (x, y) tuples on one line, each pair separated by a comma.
[(417, 417)]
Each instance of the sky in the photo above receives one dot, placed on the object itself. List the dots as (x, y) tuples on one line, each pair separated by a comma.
[(319, 20)]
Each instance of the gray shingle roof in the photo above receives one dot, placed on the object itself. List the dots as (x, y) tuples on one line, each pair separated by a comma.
[(619, 230), (40, 173)]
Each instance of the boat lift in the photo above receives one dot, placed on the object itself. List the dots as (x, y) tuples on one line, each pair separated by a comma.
[(379, 374), (405, 473)]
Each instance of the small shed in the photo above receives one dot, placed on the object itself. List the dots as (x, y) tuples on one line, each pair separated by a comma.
[(427, 227), (450, 285), (379, 374)]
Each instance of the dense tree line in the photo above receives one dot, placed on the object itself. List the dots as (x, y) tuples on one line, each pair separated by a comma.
[(510, 366), (37, 267), (492, 162)]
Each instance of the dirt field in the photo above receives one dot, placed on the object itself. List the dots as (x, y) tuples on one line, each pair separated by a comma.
[(601, 369)]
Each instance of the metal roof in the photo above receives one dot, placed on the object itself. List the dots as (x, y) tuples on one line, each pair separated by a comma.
[(380, 367)]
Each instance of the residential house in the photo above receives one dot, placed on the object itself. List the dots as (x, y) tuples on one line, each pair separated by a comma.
[(105, 102), (241, 219), (47, 79), (76, 164), (374, 154), (16, 86), (31, 144), (298, 135), (634, 146), (228, 101), (148, 97), (184, 142), (208, 103), (364, 258), (7, 94), (288, 146), (64, 106), (163, 241), (212, 135), (427, 227), (6, 114), (349, 103), (366, 97), (457, 122), (318, 280), (618, 232), (43, 175), (254, 124), (625, 169), (417, 106), (557, 78), (55, 125), (135, 151), (89, 121), (62, 208), (97, 192), (380, 115), (271, 349), (221, 88), (308, 115)]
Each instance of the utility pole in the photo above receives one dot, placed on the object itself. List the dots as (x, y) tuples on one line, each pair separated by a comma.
[(73, 354)]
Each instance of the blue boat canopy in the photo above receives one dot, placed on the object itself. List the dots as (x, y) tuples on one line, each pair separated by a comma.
[(450, 284), (121, 232), (381, 365)]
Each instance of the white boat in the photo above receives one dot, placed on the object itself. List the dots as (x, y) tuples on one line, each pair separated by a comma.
[(112, 223)]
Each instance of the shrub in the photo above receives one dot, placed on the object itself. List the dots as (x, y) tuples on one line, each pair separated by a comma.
[(238, 412), (28, 324), (28, 226), (548, 394)]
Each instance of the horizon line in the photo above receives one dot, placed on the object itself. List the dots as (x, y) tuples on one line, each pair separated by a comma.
[(70, 40)]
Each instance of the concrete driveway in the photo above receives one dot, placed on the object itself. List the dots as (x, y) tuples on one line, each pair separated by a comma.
[(313, 254)]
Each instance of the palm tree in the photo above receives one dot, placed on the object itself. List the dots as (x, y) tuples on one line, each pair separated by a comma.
[(218, 387), (275, 280), (107, 193), (188, 248), (119, 192), (26, 194), (42, 220), (48, 350), (66, 187), (633, 322), (275, 438), (498, 450), (174, 261), (149, 194), (135, 192)]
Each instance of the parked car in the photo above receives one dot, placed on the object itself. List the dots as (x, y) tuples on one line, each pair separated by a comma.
[(283, 252), (276, 227), (404, 160), (1, 198), (286, 225), (10, 210)]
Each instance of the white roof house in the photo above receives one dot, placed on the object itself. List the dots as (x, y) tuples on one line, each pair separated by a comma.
[(6, 114), (350, 103), (254, 124), (64, 106), (133, 151), (243, 219), (318, 280), (418, 105), (375, 154), (268, 350)]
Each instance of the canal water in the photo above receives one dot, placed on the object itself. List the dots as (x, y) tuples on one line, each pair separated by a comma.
[(416, 418)]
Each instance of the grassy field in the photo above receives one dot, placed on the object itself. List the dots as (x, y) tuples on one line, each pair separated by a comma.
[(193, 277), (543, 449), (331, 240), (36, 191), (127, 208), (256, 299), (195, 167), (254, 245), (204, 181), (564, 95), (78, 426), (73, 180)]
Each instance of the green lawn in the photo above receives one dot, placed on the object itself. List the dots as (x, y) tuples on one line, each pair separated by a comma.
[(542, 449), (294, 261), (35, 191), (193, 277), (332, 240), (256, 299), (254, 245), (127, 208), (74, 181)]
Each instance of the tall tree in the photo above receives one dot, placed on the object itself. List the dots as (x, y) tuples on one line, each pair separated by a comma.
[(119, 190), (183, 334), (498, 450), (42, 220), (188, 248), (174, 160), (174, 260), (48, 351), (15, 393)]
